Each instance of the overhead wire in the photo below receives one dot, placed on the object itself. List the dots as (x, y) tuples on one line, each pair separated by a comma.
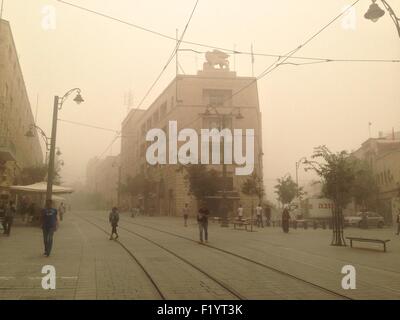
[(171, 56), (233, 51)]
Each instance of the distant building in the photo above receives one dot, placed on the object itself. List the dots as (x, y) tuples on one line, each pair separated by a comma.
[(102, 179), (185, 100), (383, 155), (16, 150)]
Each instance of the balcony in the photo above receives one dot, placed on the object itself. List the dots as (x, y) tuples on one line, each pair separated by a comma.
[(7, 150)]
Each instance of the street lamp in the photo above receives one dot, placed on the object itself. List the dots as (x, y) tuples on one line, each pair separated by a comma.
[(58, 103), (298, 163), (222, 125), (375, 12), (31, 134)]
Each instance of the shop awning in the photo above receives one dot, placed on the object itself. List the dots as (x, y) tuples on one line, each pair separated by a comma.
[(41, 187)]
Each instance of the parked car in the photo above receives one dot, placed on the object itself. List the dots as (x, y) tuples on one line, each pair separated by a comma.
[(373, 220)]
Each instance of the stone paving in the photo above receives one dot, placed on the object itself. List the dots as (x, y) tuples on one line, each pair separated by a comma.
[(89, 266)]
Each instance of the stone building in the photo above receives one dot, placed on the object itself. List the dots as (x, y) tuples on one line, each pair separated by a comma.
[(102, 179), (16, 150), (383, 155), (213, 98)]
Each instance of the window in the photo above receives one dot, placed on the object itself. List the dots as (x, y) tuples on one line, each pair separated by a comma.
[(216, 122), (217, 98)]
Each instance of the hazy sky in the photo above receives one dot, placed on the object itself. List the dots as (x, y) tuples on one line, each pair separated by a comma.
[(303, 106)]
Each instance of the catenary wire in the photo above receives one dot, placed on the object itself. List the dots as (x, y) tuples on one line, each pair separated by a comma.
[(212, 46)]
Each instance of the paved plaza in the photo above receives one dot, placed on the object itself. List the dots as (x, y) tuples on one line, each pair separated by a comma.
[(158, 258)]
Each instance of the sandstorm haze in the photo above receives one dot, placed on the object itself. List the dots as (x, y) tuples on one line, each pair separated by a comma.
[(302, 106)]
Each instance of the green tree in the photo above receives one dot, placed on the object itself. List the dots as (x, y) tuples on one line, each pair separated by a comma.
[(287, 189), (139, 185), (253, 187), (34, 174), (202, 181), (338, 173), (364, 189)]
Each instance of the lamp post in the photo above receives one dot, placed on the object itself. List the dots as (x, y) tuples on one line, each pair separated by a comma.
[(58, 103), (375, 12), (31, 134), (222, 125), (298, 163), (119, 166)]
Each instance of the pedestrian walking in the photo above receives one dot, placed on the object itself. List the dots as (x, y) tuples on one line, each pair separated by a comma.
[(9, 218), (61, 210), (49, 226), (240, 212), (114, 219), (259, 221), (185, 213), (285, 220), (3, 211), (202, 219), (398, 222), (132, 211), (31, 212)]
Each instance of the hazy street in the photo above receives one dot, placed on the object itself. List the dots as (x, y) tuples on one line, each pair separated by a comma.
[(156, 258)]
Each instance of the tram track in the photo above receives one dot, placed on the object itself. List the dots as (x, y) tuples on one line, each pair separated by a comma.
[(227, 252), (226, 287)]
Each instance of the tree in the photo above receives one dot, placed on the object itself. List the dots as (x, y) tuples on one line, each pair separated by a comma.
[(338, 174), (287, 189), (202, 182), (364, 189), (253, 186), (139, 185), (34, 174)]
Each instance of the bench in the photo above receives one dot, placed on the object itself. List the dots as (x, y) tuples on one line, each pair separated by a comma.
[(368, 240), (240, 223), (215, 219)]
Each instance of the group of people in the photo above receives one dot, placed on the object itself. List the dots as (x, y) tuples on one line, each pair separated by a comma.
[(7, 214), (258, 210), (203, 214), (49, 219)]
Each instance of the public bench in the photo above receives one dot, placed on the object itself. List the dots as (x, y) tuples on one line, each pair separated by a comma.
[(215, 219), (368, 240), (240, 223)]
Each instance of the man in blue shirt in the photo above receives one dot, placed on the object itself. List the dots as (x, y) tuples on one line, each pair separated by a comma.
[(49, 225)]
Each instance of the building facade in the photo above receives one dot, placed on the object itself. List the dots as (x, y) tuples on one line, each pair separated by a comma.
[(383, 155), (214, 98), (17, 151), (102, 179)]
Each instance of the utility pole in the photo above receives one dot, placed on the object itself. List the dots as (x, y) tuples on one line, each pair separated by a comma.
[(119, 187), (224, 206), (50, 174)]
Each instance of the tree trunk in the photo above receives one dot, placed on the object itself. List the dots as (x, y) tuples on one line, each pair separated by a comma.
[(337, 227)]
